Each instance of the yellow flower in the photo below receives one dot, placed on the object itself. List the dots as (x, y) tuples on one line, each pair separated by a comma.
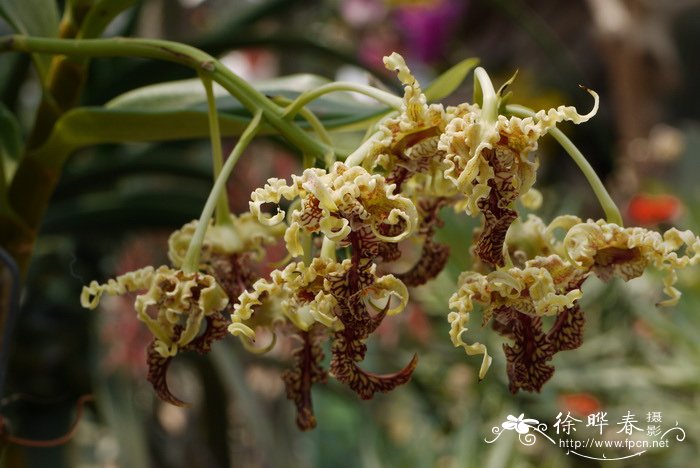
[(610, 250), (532, 238), (405, 146), (489, 161), (416, 115), (532, 199), (243, 235), (469, 142), (297, 294), (304, 295), (546, 286), (336, 203), (173, 306)]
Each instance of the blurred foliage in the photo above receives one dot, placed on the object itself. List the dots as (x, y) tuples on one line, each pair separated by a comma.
[(114, 202)]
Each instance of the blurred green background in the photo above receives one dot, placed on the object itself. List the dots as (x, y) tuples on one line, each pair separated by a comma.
[(116, 204)]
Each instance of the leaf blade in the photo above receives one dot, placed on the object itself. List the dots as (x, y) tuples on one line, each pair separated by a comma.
[(33, 18), (449, 81)]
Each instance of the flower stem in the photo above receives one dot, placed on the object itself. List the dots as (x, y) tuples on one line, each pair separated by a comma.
[(222, 208), (191, 263), (308, 96), (39, 170), (317, 126), (196, 59), (612, 213)]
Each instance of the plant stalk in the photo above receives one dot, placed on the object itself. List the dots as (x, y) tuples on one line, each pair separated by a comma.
[(612, 213)]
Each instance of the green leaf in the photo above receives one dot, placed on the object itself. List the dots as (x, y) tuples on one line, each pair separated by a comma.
[(10, 135), (100, 15), (178, 110), (93, 125), (33, 18), (109, 211), (105, 168), (189, 95), (449, 81), (10, 146)]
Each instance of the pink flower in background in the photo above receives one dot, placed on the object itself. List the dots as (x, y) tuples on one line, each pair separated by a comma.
[(378, 43), (427, 26), (359, 13)]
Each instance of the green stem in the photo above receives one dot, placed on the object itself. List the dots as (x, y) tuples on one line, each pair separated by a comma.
[(222, 208), (308, 96), (489, 102), (175, 52), (191, 263), (612, 213), (316, 125), (38, 172)]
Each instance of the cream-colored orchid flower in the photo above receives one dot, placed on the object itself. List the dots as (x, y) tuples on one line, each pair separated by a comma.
[(307, 294), (610, 250), (173, 306), (297, 294), (405, 145), (470, 143), (532, 199), (488, 159), (532, 238), (415, 115), (244, 234), (335, 203), (546, 286)]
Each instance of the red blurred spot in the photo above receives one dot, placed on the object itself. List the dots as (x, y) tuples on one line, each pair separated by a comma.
[(413, 320), (418, 325), (643, 329), (579, 404), (653, 209)]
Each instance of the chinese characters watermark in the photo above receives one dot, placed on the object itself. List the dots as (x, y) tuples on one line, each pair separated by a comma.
[(624, 435)]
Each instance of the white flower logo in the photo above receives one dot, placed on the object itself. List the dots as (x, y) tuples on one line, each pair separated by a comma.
[(519, 424)]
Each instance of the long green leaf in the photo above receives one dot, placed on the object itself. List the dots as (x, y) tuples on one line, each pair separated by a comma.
[(449, 81), (189, 95), (109, 211), (177, 110), (10, 135), (10, 149), (33, 18), (87, 126), (100, 15)]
